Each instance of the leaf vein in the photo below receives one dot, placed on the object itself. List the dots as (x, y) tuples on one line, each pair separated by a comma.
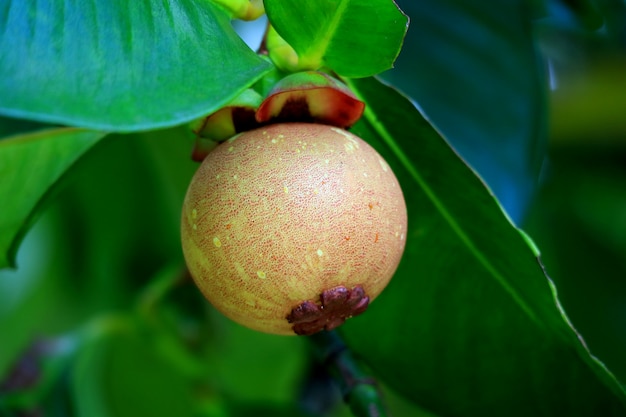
[(316, 53), (379, 127)]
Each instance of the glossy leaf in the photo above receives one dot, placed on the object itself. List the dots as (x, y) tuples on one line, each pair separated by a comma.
[(30, 165), (119, 65), (470, 324), (354, 38), (475, 71)]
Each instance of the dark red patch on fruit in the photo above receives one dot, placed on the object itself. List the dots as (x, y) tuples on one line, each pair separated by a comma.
[(336, 305)]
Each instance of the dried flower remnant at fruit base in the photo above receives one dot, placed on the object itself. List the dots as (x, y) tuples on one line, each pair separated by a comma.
[(337, 305)]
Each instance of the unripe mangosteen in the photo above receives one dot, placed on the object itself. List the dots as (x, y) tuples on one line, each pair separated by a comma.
[(292, 228)]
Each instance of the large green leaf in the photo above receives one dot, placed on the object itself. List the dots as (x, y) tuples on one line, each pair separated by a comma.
[(120, 65), (30, 165), (355, 38), (470, 325), (475, 72)]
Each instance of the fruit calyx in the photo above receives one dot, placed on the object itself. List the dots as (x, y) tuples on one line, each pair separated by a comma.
[(238, 116), (336, 305), (311, 97)]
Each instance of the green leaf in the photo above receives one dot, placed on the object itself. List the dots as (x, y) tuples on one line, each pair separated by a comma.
[(475, 71), (354, 38), (119, 65), (470, 324), (30, 165)]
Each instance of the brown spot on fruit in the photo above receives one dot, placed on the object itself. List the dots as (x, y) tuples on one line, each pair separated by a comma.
[(286, 243)]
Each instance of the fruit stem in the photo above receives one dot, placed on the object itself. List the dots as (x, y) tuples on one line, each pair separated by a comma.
[(360, 390)]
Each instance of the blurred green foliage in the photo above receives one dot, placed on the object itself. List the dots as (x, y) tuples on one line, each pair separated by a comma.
[(101, 270), (578, 218), (99, 319)]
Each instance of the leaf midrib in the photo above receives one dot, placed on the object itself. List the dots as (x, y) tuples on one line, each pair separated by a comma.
[(318, 49), (441, 208)]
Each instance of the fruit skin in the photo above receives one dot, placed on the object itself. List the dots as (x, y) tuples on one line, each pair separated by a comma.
[(275, 216)]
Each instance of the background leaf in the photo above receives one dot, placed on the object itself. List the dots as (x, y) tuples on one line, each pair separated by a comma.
[(11, 127), (119, 65), (30, 165), (111, 225), (121, 373), (354, 38), (579, 222), (124, 212), (30, 293), (469, 325), (476, 74), (578, 218)]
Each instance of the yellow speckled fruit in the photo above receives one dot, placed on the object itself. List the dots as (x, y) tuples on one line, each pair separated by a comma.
[(278, 215)]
